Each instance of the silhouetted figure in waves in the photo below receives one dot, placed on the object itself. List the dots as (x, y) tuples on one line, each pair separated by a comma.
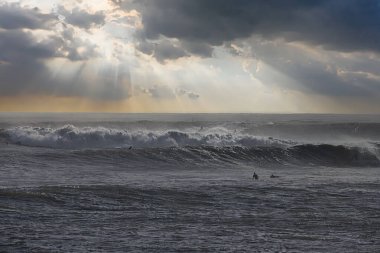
[(255, 176)]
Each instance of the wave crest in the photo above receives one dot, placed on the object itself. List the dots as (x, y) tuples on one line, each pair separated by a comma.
[(72, 137)]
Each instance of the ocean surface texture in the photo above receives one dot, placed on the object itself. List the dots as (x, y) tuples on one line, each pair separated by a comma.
[(183, 183)]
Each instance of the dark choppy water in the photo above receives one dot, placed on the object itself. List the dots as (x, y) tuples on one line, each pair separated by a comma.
[(70, 183)]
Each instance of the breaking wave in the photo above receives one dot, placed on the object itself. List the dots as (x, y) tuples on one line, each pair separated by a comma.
[(71, 137), (191, 146)]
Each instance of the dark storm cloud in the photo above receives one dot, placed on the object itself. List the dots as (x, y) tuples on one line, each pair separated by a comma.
[(346, 25), (162, 50), (335, 26), (24, 57), (13, 16), (197, 48), (165, 49), (18, 46)]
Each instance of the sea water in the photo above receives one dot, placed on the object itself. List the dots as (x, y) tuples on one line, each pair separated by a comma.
[(183, 183)]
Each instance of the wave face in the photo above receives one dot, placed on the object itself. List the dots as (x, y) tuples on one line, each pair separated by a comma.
[(307, 155), (191, 144)]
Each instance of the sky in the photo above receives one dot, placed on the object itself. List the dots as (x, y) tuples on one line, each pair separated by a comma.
[(225, 56)]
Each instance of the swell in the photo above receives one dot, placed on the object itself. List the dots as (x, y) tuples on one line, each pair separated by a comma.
[(308, 154)]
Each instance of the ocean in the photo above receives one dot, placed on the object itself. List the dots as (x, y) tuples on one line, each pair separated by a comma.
[(183, 183)]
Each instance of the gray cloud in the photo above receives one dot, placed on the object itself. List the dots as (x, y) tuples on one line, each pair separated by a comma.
[(65, 44), (19, 46), (329, 74), (74, 48), (81, 18), (197, 48), (165, 92), (159, 92), (24, 58), (189, 94), (343, 25), (13, 16), (162, 50)]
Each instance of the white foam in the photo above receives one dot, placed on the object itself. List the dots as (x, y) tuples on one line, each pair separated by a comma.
[(70, 136)]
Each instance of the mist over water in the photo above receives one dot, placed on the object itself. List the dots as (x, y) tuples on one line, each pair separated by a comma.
[(172, 182)]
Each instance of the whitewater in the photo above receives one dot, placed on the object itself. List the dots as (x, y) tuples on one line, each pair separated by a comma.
[(183, 182)]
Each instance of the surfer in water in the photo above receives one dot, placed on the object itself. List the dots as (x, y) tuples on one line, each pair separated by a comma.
[(273, 176), (255, 176)]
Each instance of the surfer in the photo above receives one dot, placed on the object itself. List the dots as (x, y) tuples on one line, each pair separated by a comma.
[(130, 147), (273, 176), (255, 176)]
